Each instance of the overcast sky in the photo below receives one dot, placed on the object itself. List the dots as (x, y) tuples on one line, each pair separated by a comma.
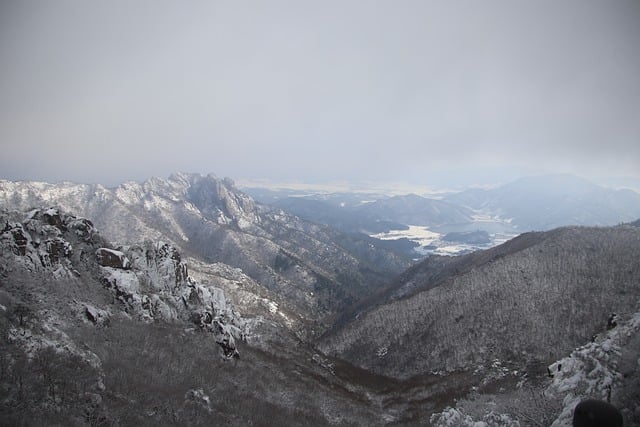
[(425, 92)]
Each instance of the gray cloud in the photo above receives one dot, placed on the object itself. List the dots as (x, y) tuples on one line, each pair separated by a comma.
[(410, 90)]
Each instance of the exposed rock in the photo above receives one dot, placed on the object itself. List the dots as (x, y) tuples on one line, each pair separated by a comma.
[(52, 217), (112, 258), (198, 397), (95, 315), (56, 249), (211, 220), (150, 281), (20, 238), (157, 287)]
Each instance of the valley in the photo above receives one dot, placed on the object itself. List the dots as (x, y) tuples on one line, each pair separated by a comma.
[(186, 301)]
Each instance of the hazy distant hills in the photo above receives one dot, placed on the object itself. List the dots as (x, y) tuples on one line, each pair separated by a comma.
[(374, 216), (527, 301), (415, 210), (546, 202), (312, 268), (459, 223)]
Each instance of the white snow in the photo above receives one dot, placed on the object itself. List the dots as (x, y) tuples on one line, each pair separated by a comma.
[(417, 233), (431, 241)]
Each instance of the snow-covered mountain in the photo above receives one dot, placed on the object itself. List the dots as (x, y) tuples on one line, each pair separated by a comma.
[(207, 308), (92, 334), (311, 269), (381, 214), (605, 369), (421, 226)]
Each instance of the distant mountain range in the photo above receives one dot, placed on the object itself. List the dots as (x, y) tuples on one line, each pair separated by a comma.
[(358, 213), (546, 202), (530, 204)]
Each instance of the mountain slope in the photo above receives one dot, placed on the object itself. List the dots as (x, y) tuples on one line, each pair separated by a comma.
[(378, 216), (527, 304), (314, 269), (416, 210), (546, 202), (94, 335), (46, 248)]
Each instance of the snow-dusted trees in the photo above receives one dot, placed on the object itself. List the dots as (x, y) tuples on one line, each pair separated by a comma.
[(533, 304)]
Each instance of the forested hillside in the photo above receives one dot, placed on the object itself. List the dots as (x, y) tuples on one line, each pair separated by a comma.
[(525, 306)]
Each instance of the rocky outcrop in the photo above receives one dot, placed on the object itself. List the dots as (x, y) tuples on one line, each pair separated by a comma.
[(96, 315), (149, 281), (44, 238), (112, 258), (157, 286)]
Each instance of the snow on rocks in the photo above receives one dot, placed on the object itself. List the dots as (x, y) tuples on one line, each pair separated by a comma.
[(112, 258), (149, 281), (198, 397), (452, 417), (36, 243), (157, 286), (591, 371)]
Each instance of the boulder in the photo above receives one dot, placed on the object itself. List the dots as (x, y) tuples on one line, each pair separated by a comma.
[(95, 315), (52, 217), (112, 258)]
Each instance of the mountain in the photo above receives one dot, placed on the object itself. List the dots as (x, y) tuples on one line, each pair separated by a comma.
[(357, 214), (97, 334), (528, 301), (48, 249), (162, 331), (605, 369), (311, 269), (466, 221), (93, 334), (550, 201), (416, 210)]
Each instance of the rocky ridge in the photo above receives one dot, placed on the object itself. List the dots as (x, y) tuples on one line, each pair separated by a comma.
[(148, 282), (96, 334), (309, 268)]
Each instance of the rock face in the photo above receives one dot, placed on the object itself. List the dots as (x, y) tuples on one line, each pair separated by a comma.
[(112, 258), (158, 287), (149, 281), (316, 270), (44, 239), (559, 287)]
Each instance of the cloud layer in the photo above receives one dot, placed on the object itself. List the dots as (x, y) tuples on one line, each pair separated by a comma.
[(409, 90)]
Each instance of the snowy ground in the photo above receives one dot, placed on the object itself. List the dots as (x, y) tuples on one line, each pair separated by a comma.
[(431, 242)]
